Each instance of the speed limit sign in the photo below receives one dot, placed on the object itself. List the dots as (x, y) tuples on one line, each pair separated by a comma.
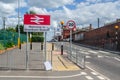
[(71, 24)]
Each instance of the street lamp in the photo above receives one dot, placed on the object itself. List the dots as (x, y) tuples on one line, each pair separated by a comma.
[(62, 23)]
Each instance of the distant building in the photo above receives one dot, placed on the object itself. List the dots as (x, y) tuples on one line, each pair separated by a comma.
[(103, 37)]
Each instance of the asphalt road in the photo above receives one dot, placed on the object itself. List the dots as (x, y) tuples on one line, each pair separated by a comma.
[(105, 62), (86, 74)]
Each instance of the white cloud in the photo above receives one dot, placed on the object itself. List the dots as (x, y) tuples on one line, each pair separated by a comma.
[(99, 1), (55, 24), (85, 12), (39, 10), (8, 1), (8, 7), (90, 12), (49, 3), (11, 21)]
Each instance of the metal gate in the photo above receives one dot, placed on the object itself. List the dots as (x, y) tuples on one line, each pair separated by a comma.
[(23, 58), (36, 57)]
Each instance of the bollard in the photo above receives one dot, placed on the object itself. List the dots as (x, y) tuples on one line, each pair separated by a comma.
[(52, 46), (31, 46), (19, 43), (20, 46), (30, 43), (61, 49), (41, 46)]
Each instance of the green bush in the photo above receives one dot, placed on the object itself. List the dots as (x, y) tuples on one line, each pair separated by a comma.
[(37, 39), (1, 47), (9, 44)]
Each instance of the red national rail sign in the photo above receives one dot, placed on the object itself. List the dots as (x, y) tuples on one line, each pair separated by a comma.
[(36, 23), (33, 19)]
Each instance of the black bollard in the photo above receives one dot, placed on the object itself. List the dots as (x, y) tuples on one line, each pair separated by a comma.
[(20, 46), (52, 46), (31, 46), (61, 49), (41, 46)]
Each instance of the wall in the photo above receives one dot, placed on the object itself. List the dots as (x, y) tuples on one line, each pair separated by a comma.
[(103, 37)]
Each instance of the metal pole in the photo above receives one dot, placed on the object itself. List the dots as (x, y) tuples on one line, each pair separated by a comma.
[(116, 37), (70, 43), (98, 22), (27, 55), (4, 22), (4, 29), (19, 42), (51, 59), (62, 41), (30, 41), (45, 45), (18, 16)]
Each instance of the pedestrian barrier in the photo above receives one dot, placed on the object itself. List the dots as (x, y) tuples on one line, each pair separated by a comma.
[(25, 58), (75, 55)]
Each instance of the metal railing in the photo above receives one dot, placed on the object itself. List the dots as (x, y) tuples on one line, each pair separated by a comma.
[(75, 54), (17, 59)]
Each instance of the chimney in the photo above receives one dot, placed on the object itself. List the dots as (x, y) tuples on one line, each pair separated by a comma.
[(90, 27)]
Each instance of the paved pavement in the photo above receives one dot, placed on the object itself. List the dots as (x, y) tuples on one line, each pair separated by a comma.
[(62, 69), (61, 62)]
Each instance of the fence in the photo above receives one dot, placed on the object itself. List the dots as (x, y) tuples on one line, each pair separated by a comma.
[(8, 38), (75, 55), (25, 58)]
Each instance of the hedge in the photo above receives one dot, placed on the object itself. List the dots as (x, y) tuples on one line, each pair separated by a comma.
[(1, 47), (37, 39)]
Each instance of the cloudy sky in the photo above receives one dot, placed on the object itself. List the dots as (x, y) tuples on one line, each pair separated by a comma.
[(83, 12)]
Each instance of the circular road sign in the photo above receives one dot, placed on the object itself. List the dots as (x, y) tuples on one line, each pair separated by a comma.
[(71, 24)]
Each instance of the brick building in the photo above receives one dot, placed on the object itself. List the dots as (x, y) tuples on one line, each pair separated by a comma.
[(103, 37)]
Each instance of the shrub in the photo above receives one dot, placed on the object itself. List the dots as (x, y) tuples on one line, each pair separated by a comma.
[(37, 39), (1, 47), (9, 44)]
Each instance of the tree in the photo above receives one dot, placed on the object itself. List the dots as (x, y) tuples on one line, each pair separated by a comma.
[(30, 12), (21, 29), (11, 29)]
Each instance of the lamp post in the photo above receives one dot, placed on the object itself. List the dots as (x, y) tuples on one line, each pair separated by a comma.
[(4, 24), (4, 19), (19, 42), (62, 23), (116, 36)]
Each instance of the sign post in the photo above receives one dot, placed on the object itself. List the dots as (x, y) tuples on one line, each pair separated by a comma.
[(36, 23), (71, 25), (62, 23)]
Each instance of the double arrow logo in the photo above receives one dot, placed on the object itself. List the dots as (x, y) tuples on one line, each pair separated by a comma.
[(37, 19)]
